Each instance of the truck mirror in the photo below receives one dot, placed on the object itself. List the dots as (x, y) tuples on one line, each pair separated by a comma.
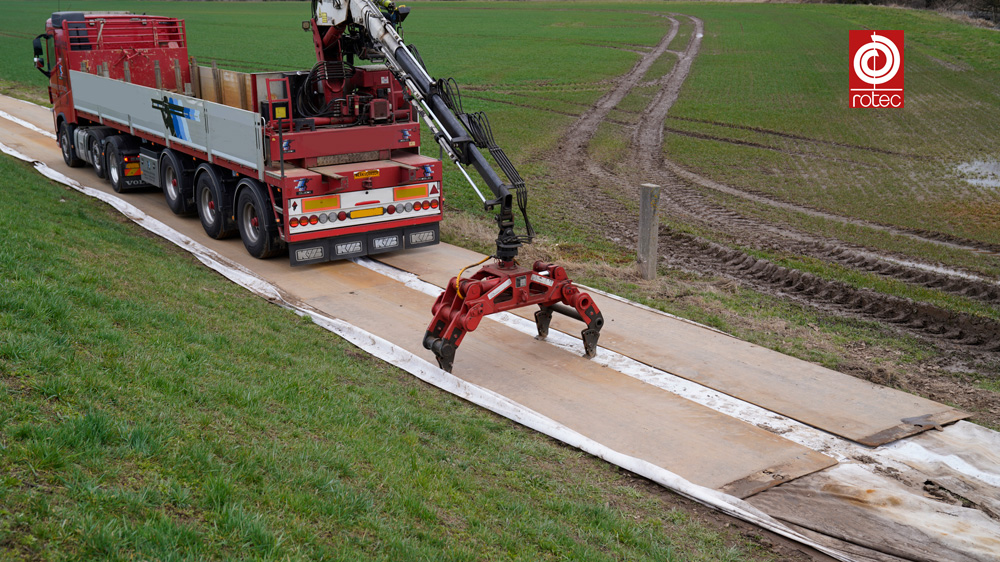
[(40, 53)]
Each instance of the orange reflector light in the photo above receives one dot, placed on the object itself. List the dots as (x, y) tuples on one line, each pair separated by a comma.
[(362, 213), (321, 203), (410, 192)]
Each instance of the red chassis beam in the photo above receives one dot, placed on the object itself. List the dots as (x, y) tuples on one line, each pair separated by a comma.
[(503, 287)]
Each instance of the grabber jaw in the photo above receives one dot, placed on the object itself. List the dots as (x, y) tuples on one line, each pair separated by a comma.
[(583, 309), (502, 287), (444, 351)]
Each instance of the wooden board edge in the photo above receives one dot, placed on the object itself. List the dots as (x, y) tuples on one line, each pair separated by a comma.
[(912, 426), (804, 465)]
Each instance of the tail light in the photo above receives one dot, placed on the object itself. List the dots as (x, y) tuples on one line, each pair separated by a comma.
[(293, 222)]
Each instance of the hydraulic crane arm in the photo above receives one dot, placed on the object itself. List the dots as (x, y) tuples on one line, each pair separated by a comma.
[(459, 134), (368, 30)]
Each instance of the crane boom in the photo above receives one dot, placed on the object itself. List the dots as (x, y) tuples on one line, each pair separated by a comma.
[(368, 29), (460, 135)]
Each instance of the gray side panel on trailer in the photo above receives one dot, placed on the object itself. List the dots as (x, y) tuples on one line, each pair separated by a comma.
[(219, 130)]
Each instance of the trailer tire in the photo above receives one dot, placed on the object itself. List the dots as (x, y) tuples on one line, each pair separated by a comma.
[(258, 229), (66, 144), (97, 159), (115, 165), (213, 206), (176, 184), (95, 149)]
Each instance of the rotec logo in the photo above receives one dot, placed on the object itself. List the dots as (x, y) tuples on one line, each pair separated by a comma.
[(876, 68)]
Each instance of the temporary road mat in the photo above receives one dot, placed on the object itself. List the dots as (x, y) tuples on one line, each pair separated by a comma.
[(843, 405)]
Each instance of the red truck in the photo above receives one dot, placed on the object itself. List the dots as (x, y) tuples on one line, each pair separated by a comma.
[(323, 161)]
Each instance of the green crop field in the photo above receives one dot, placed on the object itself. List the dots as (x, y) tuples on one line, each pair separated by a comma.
[(782, 70)]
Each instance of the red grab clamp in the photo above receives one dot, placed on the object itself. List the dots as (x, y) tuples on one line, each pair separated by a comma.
[(505, 286)]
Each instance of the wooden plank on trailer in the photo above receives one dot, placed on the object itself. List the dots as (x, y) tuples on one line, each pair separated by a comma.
[(635, 418), (195, 78), (217, 80), (206, 81), (232, 89), (841, 404), (246, 89)]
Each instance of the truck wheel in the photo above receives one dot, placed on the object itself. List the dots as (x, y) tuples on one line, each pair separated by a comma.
[(66, 143), (97, 158), (256, 220), (115, 166), (175, 184), (209, 198)]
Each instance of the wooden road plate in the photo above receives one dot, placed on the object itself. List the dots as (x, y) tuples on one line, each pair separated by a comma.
[(858, 410), (630, 416)]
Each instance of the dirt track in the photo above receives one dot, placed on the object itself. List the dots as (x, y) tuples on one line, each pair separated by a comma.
[(969, 342)]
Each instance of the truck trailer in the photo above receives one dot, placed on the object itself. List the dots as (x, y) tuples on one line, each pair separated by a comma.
[(325, 161)]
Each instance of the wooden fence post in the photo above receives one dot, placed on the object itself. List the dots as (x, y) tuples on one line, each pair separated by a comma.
[(649, 200)]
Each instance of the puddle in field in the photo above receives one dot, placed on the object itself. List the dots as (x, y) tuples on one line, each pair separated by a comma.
[(980, 173)]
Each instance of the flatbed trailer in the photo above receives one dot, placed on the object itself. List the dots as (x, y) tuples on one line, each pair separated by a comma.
[(343, 182)]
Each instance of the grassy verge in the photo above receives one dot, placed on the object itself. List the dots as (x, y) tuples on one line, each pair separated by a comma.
[(152, 410)]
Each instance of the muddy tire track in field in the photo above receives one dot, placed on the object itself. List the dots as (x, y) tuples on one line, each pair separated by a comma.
[(763, 146), (949, 330), (794, 137), (755, 234), (937, 238), (605, 195)]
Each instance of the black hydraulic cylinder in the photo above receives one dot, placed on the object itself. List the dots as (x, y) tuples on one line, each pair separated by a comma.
[(453, 127)]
